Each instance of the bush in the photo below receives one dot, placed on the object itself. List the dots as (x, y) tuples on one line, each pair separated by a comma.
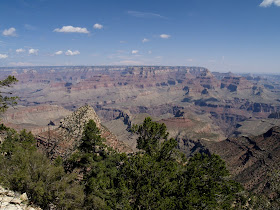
[(25, 169)]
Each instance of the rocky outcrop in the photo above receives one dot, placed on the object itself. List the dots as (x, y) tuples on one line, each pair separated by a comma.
[(63, 140), (74, 124), (10, 200)]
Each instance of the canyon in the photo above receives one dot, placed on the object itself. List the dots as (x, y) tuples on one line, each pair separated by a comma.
[(235, 116), (211, 105)]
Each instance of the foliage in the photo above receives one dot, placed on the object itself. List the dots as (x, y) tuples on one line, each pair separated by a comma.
[(150, 133), (156, 177), (271, 198), (25, 169), (100, 183), (151, 184), (89, 151), (3, 127), (91, 138), (205, 184), (5, 100), (98, 165)]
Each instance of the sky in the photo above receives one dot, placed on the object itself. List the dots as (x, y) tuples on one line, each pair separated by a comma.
[(222, 35)]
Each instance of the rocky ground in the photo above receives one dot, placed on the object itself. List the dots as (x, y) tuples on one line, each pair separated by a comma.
[(10, 200)]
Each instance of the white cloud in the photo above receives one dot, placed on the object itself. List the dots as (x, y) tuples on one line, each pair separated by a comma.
[(58, 52), (268, 3), (70, 53), (20, 50), (165, 36), (71, 29), (149, 52), (3, 56), (145, 40), (134, 51), (33, 51), (97, 26), (9, 32)]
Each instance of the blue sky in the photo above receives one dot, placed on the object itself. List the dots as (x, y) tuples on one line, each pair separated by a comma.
[(222, 35)]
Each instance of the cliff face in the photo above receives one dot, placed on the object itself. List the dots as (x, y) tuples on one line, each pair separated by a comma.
[(64, 139), (252, 159)]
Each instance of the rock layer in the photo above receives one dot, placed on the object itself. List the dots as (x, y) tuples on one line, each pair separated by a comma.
[(224, 100)]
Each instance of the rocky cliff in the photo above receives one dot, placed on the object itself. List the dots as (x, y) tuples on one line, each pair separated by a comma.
[(251, 159), (74, 123), (64, 139)]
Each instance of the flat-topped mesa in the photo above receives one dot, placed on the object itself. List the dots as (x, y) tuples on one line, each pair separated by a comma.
[(76, 122)]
